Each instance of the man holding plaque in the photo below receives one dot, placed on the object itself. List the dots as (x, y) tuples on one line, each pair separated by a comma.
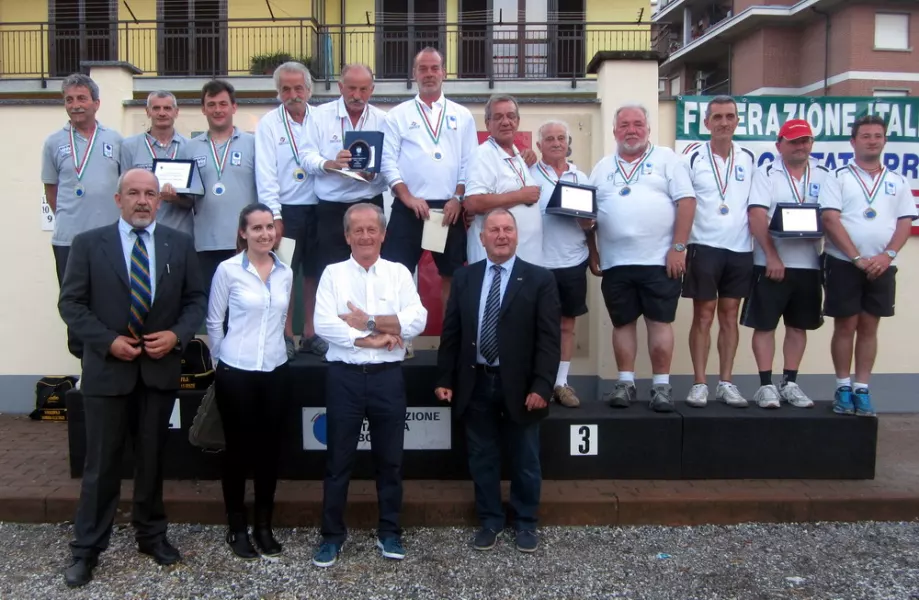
[(428, 142), (226, 161), (499, 177), (719, 265), (786, 275), (867, 211), (161, 141), (281, 178), (80, 173), (645, 208), (324, 156), (565, 245)]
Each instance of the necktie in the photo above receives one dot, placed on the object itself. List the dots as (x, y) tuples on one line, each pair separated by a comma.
[(141, 298), (489, 339)]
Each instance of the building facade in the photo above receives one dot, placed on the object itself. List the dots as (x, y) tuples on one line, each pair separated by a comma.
[(789, 47)]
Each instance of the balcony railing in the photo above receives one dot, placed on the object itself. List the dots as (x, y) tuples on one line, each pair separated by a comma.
[(473, 50)]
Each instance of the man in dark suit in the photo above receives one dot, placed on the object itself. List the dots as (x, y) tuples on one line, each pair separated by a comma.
[(133, 294), (499, 352)]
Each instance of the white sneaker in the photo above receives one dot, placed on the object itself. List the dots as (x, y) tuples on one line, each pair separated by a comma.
[(792, 393), (730, 395), (767, 396), (698, 395)]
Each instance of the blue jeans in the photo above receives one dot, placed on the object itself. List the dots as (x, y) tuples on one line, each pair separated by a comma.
[(351, 396), (487, 426)]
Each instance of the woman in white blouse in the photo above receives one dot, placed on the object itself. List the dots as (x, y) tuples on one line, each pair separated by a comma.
[(251, 381)]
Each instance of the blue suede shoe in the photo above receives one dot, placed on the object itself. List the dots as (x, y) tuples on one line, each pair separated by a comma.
[(863, 406), (842, 404)]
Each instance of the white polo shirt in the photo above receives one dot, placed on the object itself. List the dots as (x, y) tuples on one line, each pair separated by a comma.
[(564, 243), (325, 139), (772, 185), (710, 227), (416, 135), (279, 176), (843, 191), (637, 229), (492, 171)]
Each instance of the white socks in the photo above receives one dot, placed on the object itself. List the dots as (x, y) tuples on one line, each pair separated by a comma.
[(859, 386), (627, 377), (844, 382), (561, 378), (663, 379)]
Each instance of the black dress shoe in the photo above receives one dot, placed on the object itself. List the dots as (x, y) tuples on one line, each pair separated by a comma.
[(162, 552), (241, 545), (80, 571), (265, 542)]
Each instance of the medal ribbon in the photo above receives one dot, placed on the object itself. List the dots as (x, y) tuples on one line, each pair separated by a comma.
[(220, 164), (433, 133), (153, 154), (360, 123), (512, 161), (290, 135), (871, 194), (633, 174), (722, 183), (80, 167), (799, 198), (545, 173)]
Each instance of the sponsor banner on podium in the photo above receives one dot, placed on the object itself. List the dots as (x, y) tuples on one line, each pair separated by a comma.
[(426, 428)]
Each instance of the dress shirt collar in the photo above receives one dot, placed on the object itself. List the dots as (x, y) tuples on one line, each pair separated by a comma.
[(356, 265), (277, 262), (206, 136), (501, 151), (126, 228), (507, 265), (439, 103), (284, 114), (569, 167), (344, 114)]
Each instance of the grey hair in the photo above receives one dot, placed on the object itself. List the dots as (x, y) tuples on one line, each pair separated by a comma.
[(719, 100), (80, 80), (554, 123), (349, 67), (121, 177), (359, 206), (162, 94), (632, 106), (429, 50), (498, 211), (500, 98), (293, 66)]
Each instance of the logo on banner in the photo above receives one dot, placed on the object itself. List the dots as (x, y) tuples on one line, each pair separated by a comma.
[(426, 428)]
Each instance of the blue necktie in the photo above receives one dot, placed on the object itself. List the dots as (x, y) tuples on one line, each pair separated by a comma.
[(489, 339), (141, 297)]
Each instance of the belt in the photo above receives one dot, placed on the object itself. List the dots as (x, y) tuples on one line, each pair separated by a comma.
[(488, 369), (368, 368)]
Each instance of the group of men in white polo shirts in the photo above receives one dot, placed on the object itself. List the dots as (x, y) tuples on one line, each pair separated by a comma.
[(695, 225)]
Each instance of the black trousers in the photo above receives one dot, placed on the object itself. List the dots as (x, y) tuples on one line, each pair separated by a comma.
[(350, 397), (330, 217), (61, 254), (251, 405), (144, 414)]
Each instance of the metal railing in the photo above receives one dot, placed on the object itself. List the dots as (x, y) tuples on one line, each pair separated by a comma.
[(473, 50)]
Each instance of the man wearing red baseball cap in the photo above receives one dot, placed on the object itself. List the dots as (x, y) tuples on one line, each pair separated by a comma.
[(786, 270)]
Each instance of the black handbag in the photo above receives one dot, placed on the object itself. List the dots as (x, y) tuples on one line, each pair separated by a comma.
[(206, 431)]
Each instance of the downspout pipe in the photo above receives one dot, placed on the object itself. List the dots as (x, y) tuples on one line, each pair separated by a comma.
[(826, 50)]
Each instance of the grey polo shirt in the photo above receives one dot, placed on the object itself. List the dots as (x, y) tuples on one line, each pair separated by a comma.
[(100, 179), (135, 154), (216, 217)]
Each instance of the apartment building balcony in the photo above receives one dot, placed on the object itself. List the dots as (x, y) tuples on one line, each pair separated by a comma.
[(487, 48)]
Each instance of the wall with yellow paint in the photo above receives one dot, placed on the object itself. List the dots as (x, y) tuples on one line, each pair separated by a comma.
[(603, 35), (23, 48), (252, 32), (138, 42)]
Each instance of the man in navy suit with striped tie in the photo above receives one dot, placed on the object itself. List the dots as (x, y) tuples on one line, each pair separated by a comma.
[(133, 294), (498, 356)]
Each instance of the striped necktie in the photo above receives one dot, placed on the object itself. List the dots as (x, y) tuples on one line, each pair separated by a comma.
[(489, 341), (141, 296)]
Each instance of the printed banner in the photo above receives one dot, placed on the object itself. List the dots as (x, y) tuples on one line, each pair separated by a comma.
[(831, 118), (426, 428)]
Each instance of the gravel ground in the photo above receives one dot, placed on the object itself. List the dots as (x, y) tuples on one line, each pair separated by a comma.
[(748, 562)]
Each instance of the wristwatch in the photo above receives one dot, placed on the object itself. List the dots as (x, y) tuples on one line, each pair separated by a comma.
[(371, 324), (457, 198), (891, 253), (857, 258), (679, 247)]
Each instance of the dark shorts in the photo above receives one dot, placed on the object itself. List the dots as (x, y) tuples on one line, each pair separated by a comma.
[(403, 240), (849, 292), (300, 226), (330, 216), (797, 300), (572, 289), (631, 291), (713, 273)]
